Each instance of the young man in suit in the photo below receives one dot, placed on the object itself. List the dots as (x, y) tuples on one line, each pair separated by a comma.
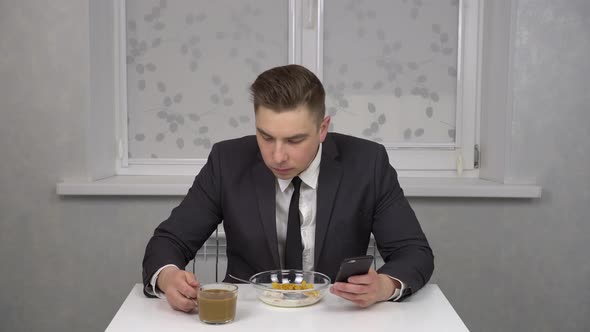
[(293, 196)]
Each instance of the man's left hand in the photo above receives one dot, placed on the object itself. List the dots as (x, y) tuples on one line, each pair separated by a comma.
[(366, 290)]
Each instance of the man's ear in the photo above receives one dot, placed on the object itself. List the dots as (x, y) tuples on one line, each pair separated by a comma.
[(324, 128)]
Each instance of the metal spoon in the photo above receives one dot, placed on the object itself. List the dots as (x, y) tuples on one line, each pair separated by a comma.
[(290, 296), (240, 279)]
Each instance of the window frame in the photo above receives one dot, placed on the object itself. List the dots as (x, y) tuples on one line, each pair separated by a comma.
[(98, 176), (306, 48)]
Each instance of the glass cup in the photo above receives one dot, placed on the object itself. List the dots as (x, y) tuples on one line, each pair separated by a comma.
[(217, 303)]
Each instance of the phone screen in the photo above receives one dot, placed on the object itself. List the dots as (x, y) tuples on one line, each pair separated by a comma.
[(354, 266)]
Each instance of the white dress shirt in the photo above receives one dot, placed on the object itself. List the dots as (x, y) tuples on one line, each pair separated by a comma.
[(307, 210), (307, 213)]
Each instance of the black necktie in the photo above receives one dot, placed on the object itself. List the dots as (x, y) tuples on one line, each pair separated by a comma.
[(293, 246)]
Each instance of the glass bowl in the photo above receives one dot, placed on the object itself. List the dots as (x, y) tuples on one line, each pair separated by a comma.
[(290, 288)]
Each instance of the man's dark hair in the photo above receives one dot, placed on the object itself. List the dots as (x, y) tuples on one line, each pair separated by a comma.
[(287, 87)]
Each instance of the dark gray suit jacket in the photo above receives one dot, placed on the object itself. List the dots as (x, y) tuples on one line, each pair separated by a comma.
[(358, 193)]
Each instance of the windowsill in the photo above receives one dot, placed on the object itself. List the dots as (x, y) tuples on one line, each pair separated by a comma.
[(140, 185)]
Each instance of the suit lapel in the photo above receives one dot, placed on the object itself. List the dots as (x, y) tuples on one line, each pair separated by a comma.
[(328, 183), (264, 181)]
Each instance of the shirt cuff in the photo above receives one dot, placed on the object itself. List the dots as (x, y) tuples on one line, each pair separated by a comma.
[(154, 290), (397, 294)]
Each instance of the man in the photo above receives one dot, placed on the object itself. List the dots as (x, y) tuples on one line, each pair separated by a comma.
[(294, 196)]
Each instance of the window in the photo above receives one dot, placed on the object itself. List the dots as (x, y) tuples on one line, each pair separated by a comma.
[(390, 68), (188, 68), (403, 73), (426, 159)]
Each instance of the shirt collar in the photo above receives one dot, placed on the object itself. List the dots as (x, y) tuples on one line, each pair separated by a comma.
[(309, 176)]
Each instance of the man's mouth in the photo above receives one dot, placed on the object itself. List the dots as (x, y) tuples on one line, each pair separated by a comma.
[(282, 170)]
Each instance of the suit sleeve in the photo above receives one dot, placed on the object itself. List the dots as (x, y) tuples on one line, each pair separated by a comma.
[(399, 237), (178, 238)]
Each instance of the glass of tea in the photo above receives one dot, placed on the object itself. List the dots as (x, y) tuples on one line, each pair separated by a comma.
[(217, 303)]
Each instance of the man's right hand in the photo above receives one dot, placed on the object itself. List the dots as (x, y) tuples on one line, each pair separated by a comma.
[(180, 287)]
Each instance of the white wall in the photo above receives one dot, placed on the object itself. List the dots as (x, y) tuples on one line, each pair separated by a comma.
[(505, 265)]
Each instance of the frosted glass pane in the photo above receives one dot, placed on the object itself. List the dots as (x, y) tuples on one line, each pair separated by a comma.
[(390, 69), (189, 65)]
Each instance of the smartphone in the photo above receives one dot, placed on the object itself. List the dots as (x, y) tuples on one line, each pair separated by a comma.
[(353, 266)]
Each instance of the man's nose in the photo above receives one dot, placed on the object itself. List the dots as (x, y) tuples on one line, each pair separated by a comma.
[(279, 155)]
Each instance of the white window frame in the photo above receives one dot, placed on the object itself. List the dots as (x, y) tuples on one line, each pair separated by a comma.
[(493, 132), (306, 48), (419, 160)]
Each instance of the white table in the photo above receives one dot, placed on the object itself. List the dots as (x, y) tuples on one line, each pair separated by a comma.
[(426, 310)]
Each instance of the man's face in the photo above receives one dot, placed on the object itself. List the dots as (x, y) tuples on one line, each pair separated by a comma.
[(289, 140)]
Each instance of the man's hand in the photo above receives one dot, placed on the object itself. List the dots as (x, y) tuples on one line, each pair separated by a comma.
[(180, 287), (366, 290)]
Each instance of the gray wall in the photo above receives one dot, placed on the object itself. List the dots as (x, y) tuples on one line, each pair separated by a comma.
[(505, 265)]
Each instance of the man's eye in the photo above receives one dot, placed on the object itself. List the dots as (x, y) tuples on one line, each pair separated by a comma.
[(296, 141), (267, 138)]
